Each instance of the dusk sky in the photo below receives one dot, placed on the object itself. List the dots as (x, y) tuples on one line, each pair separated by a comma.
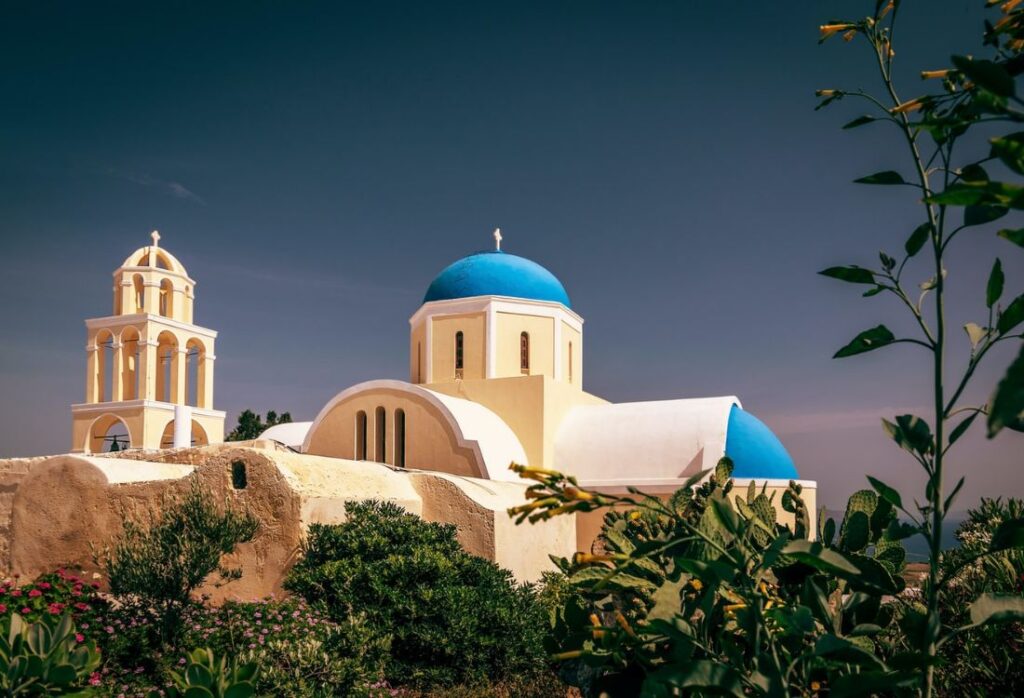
[(315, 165)]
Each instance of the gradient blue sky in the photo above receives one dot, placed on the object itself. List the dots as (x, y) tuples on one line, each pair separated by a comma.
[(315, 165)]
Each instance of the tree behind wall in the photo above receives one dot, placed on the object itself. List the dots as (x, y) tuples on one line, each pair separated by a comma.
[(251, 425)]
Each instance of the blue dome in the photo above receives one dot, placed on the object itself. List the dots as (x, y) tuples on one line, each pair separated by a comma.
[(755, 451), (496, 273)]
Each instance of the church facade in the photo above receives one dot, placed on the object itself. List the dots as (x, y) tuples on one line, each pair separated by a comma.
[(496, 358), (495, 376)]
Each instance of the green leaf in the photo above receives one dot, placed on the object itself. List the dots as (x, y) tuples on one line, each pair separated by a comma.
[(860, 121), (1012, 316), (62, 674), (868, 340), (197, 692), (992, 608), (871, 683), (1014, 236), (963, 195), (911, 433), (995, 284), (979, 215), (198, 675), (1010, 149), (973, 173), (952, 495), (843, 650), (240, 690), (961, 428), (819, 557), (715, 677), (917, 239), (852, 274), (1007, 405), (991, 76), (884, 177), (1008, 536), (887, 493), (900, 530)]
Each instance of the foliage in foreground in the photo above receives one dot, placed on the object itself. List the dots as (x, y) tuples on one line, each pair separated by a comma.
[(983, 661), (161, 562), (954, 188), (453, 618), (45, 658), (708, 593)]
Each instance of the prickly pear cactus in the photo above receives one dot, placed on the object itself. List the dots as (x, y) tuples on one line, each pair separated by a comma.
[(794, 504)]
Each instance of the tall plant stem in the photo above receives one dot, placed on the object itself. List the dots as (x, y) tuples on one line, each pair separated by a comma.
[(935, 484)]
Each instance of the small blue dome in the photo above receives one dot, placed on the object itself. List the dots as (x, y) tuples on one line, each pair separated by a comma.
[(496, 273), (755, 451)]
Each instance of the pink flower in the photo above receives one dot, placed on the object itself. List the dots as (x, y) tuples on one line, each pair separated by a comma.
[(34, 593), (79, 637), (82, 606), (16, 592), (94, 679), (55, 608), (44, 585), (3, 608), (26, 611)]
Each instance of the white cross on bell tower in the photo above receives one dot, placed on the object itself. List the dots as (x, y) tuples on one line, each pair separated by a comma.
[(497, 239), (156, 238)]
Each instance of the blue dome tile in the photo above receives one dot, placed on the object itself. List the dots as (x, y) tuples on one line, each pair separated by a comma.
[(755, 451), (496, 273)]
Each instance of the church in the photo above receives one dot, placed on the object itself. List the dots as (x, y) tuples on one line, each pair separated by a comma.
[(496, 371)]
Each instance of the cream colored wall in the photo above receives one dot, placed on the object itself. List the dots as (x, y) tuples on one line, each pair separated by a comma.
[(151, 324), (418, 354), (542, 336), (430, 442), (443, 329), (164, 293), (572, 340), (61, 507), (532, 406)]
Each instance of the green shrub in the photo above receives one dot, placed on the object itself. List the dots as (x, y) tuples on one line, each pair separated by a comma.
[(162, 561), (206, 675), (45, 658), (300, 652), (453, 618), (984, 661)]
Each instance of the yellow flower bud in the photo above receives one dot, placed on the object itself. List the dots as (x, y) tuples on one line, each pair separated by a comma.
[(932, 74), (828, 30)]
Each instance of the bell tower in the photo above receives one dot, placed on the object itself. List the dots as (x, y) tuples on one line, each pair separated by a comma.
[(149, 369)]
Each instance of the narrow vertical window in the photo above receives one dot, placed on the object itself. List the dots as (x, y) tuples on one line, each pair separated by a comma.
[(400, 438), (419, 363), (458, 354), (570, 362), (524, 352), (360, 435), (382, 436)]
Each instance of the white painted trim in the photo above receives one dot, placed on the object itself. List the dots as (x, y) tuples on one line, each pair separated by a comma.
[(557, 355), (492, 343), (160, 270), (437, 401), (120, 320), (478, 304), (428, 355), (86, 407)]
